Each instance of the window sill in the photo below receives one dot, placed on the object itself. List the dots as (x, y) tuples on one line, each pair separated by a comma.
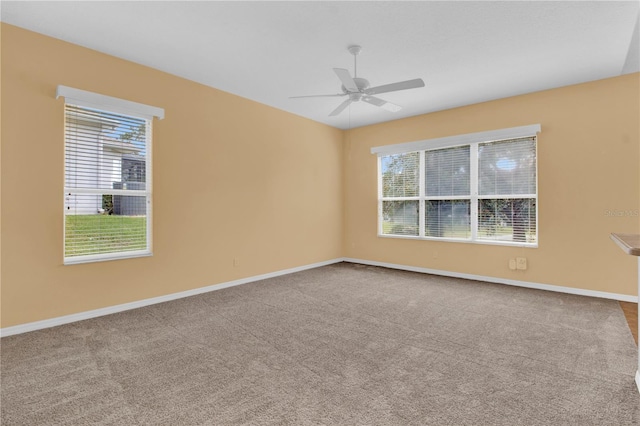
[(106, 257), (460, 240)]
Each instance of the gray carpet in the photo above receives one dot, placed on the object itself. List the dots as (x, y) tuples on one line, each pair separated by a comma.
[(338, 345)]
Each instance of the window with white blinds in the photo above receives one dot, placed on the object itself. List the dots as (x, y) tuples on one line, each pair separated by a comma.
[(107, 188), (484, 191), (448, 192), (400, 193), (507, 191)]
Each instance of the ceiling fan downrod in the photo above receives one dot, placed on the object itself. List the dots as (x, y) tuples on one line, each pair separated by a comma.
[(355, 51)]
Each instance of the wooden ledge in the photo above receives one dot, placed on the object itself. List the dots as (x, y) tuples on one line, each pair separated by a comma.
[(629, 243)]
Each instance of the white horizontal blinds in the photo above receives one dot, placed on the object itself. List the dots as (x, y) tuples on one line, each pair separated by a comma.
[(101, 147), (447, 172), (507, 190), (400, 175), (507, 167), (448, 193), (98, 234), (400, 193), (106, 190)]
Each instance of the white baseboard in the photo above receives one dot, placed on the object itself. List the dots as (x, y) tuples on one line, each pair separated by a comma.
[(39, 325), (548, 287)]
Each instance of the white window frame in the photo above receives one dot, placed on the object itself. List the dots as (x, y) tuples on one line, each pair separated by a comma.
[(473, 140), (85, 99)]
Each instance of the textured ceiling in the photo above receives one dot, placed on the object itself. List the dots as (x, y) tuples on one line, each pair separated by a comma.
[(466, 52)]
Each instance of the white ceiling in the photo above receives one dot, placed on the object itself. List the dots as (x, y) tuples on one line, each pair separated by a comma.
[(466, 52)]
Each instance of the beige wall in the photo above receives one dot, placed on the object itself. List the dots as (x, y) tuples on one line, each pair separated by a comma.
[(232, 178), (588, 158)]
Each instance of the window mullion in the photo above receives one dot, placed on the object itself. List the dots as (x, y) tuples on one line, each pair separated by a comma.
[(422, 193), (448, 197), (380, 212), (149, 183), (400, 198), (473, 176), (507, 196)]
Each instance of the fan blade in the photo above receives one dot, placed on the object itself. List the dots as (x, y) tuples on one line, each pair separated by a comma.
[(346, 79), (340, 108), (381, 103), (402, 85), (318, 96)]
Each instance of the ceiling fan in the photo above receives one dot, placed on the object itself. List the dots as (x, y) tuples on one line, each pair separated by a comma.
[(357, 89)]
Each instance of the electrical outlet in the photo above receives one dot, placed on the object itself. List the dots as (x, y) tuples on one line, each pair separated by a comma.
[(512, 264), (521, 263), (236, 261)]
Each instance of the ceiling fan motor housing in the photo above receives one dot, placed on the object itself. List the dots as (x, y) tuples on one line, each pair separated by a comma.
[(361, 83)]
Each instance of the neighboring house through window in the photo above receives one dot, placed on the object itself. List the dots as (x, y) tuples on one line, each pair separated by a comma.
[(479, 187), (107, 199)]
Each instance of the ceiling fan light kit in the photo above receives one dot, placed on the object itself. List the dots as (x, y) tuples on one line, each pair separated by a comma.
[(358, 89)]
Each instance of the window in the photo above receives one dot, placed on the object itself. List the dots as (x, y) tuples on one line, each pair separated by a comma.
[(107, 180), (476, 188)]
